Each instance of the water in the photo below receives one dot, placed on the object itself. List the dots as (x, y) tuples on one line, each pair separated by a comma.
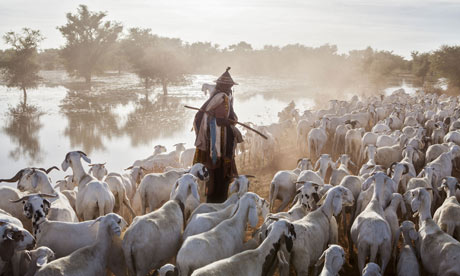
[(115, 122)]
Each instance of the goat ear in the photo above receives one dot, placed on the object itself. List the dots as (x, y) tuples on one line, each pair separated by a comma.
[(321, 259), (234, 187), (65, 165), (85, 158), (41, 261), (46, 206), (337, 205), (194, 191), (174, 188), (253, 216), (413, 234), (35, 180)]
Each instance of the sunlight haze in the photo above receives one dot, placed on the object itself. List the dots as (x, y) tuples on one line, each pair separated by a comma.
[(401, 26)]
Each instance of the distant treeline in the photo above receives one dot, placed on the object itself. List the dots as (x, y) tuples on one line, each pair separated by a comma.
[(92, 48)]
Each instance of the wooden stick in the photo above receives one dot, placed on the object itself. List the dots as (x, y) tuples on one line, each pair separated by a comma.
[(230, 120)]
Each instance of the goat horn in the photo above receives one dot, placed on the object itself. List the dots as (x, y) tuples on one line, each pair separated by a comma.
[(20, 199), (300, 182), (300, 159), (249, 176), (79, 151), (52, 168), (14, 178), (47, 195), (144, 169), (129, 168)]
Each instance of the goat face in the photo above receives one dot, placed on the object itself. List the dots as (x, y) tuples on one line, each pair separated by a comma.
[(14, 238), (37, 208)]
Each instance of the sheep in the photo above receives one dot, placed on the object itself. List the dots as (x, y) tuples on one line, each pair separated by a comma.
[(155, 188), (353, 143), (424, 181), (37, 181), (407, 262), (339, 139), (448, 214), (163, 226), (333, 258), (371, 269), (283, 184), (322, 164), (6, 217), (30, 261), (54, 234), (205, 222), (391, 217), (8, 193), (317, 138), (342, 171), (158, 149), (370, 151), (389, 154), (439, 251), (224, 240), (259, 261), (94, 197), (313, 231), (239, 185), (117, 187), (434, 151), (443, 167), (370, 231), (186, 157), (13, 239), (91, 259), (160, 161)]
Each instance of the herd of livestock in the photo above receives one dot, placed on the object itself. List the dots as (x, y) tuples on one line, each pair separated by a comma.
[(377, 193)]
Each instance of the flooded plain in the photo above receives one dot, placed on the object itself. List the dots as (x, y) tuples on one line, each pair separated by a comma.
[(117, 121)]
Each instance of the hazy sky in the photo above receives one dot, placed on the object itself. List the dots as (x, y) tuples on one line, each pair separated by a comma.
[(401, 26)]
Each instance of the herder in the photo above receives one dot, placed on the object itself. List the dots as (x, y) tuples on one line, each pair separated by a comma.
[(216, 139)]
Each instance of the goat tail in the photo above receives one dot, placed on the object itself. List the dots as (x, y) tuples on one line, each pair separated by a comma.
[(273, 193), (373, 251), (130, 259), (127, 203)]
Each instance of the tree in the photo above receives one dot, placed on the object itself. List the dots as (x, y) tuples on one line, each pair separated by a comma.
[(88, 40), (446, 64), (19, 64), (420, 65), (156, 60)]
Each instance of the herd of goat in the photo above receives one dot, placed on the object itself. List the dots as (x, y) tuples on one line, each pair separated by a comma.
[(390, 202)]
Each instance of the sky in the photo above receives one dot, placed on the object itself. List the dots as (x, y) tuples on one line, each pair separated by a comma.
[(401, 26)]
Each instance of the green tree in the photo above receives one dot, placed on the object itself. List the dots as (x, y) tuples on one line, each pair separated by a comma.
[(446, 64), (88, 40), (19, 64), (155, 60)]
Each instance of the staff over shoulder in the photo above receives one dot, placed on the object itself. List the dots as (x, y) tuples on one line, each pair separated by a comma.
[(217, 137)]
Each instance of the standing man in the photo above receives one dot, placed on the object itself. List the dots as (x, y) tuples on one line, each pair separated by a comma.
[(216, 139)]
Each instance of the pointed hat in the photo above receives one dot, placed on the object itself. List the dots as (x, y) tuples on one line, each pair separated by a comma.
[(226, 78)]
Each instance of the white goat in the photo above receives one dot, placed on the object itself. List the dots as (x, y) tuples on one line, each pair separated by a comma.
[(448, 214), (283, 185), (224, 240), (439, 251), (317, 138), (370, 231), (257, 261), (91, 259), (313, 231), (94, 197), (333, 258), (164, 226), (407, 262), (155, 188)]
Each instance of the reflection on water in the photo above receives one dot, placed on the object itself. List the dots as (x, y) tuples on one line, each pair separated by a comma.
[(163, 116), (118, 122), (23, 126)]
